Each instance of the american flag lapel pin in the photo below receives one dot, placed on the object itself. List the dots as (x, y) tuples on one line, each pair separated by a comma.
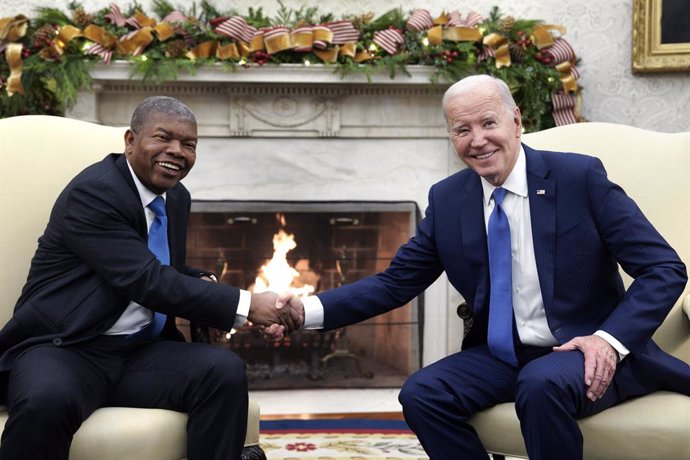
[(541, 192)]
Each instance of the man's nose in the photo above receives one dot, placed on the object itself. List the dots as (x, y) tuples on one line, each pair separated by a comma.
[(175, 148), (478, 139)]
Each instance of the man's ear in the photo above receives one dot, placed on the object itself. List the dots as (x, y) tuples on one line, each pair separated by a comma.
[(129, 140), (518, 122)]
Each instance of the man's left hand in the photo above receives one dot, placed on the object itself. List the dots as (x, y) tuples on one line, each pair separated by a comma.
[(600, 362)]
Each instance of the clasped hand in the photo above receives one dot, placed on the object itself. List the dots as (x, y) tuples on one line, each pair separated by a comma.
[(276, 315)]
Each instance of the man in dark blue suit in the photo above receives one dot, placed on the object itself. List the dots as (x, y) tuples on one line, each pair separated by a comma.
[(572, 341), (95, 323)]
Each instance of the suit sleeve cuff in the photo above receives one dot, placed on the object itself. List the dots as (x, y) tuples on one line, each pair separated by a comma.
[(619, 347), (313, 312), (242, 308)]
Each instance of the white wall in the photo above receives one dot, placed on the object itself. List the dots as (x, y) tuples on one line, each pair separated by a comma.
[(600, 32)]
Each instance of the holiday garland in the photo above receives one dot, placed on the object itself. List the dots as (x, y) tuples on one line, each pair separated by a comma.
[(45, 61)]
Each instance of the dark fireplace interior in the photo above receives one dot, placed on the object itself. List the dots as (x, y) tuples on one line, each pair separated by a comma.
[(334, 243)]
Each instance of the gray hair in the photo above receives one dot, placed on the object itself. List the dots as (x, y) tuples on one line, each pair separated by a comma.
[(159, 104), (480, 80)]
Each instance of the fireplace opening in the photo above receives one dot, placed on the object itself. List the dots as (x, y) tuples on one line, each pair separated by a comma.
[(310, 247)]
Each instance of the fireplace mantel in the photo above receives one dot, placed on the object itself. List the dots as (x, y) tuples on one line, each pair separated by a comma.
[(271, 73), (287, 100)]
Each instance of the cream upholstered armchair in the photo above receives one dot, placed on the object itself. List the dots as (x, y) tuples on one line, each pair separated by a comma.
[(654, 169), (40, 154)]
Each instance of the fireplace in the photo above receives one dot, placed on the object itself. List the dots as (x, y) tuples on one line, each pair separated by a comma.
[(298, 133), (310, 247)]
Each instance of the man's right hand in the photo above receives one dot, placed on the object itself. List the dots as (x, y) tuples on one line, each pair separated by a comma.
[(295, 309)]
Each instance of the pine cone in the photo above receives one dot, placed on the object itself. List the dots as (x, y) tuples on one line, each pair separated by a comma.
[(176, 49), (506, 24), (517, 52), (44, 36), (81, 18)]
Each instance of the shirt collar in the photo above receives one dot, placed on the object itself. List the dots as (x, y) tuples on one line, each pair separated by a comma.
[(516, 182), (145, 195)]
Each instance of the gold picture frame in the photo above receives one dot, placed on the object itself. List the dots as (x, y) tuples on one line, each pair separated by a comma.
[(649, 54)]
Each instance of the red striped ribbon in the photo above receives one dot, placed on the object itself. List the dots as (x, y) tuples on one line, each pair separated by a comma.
[(101, 51), (563, 108), (115, 16), (472, 19), (237, 29), (343, 32), (420, 20), (175, 16), (389, 40), (560, 51)]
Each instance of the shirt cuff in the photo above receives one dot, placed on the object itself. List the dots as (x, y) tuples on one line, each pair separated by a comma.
[(242, 308), (619, 347), (313, 312)]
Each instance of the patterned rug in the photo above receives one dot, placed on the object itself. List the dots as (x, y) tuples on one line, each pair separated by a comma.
[(339, 440)]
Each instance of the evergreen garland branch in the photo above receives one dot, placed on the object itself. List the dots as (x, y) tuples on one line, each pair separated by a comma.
[(55, 72)]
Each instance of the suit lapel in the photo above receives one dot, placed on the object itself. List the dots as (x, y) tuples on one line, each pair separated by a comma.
[(176, 221), (132, 195), (542, 205), (474, 238)]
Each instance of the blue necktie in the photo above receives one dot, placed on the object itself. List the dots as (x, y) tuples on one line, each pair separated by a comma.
[(158, 244), (501, 300)]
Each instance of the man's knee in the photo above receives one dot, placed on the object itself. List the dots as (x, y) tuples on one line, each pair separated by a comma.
[(222, 367), (550, 379), (413, 390), (51, 404)]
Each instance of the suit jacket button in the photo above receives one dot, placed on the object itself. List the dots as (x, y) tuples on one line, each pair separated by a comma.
[(57, 341)]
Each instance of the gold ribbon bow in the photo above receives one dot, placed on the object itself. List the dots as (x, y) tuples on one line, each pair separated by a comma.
[(11, 30), (323, 36), (229, 51), (302, 38), (440, 31), (13, 55), (542, 34), (65, 34), (277, 40), (164, 30), (134, 43), (348, 49), (567, 77), (203, 50), (499, 44), (100, 35), (257, 44)]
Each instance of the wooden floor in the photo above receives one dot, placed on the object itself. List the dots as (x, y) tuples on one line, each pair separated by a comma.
[(357, 415)]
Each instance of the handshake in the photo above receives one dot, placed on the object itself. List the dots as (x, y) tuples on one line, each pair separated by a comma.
[(276, 315)]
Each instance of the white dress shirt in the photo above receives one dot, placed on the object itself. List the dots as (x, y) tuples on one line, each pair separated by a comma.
[(136, 317), (528, 305)]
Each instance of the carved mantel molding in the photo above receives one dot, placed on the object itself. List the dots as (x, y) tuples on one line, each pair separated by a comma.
[(288, 100)]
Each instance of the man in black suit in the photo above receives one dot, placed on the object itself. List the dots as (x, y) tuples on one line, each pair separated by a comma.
[(81, 336)]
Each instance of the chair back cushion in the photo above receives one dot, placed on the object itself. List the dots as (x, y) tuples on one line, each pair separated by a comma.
[(654, 169), (40, 155)]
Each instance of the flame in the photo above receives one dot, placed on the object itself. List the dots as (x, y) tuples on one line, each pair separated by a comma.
[(277, 275)]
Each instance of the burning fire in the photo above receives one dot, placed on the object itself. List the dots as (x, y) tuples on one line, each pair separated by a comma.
[(277, 275)]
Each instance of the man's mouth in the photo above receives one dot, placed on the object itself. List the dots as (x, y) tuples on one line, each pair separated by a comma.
[(483, 156), (169, 166)]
